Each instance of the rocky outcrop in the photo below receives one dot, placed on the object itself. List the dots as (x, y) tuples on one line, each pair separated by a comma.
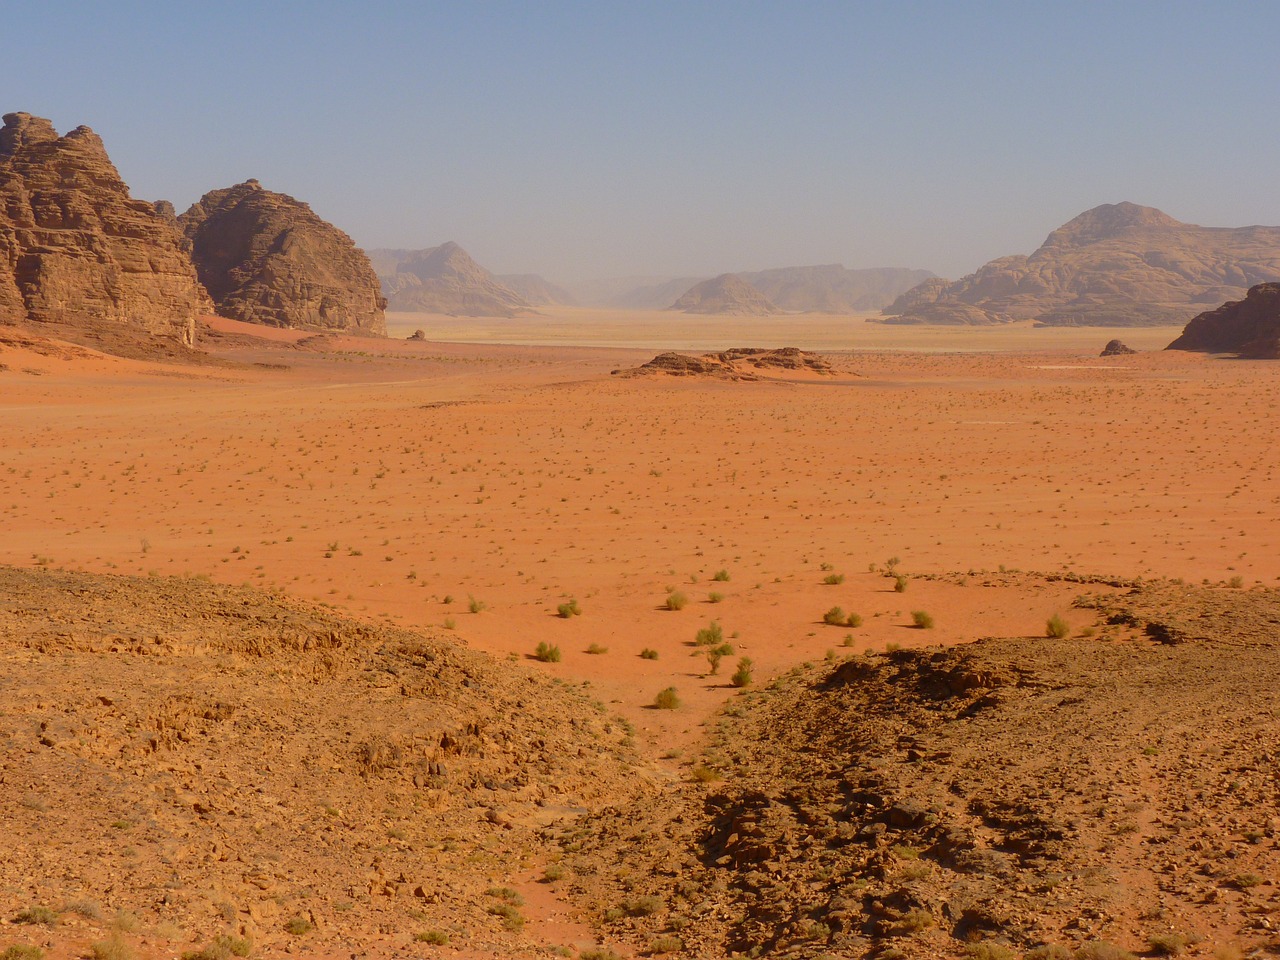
[(446, 280), (739, 363), (268, 258), (830, 288), (1248, 327), (76, 249), (1115, 265), (1115, 348), (727, 293)]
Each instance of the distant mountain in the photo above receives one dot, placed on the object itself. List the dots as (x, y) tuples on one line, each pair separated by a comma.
[(443, 279), (831, 288), (536, 290), (727, 293), (1115, 265)]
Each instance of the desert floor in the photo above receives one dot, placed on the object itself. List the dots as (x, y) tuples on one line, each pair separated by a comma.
[(473, 487)]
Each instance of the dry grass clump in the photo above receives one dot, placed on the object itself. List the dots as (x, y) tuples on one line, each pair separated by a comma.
[(1056, 628), (676, 600), (547, 653), (667, 699), (223, 947)]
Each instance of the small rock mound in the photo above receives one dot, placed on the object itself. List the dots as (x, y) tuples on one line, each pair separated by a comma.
[(1248, 327), (267, 258), (1115, 348), (727, 293), (739, 363)]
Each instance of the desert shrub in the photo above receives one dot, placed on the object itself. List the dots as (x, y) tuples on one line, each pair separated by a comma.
[(89, 909), (833, 579), (913, 921), (836, 617), (553, 872), (676, 600), (714, 597), (666, 944), (113, 948), (298, 926), (1167, 944), (42, 915), (855, 620), (437, 938), (511, 918), (223, 947), (716, 654), (645, 906), (648, 653), (1102, 950), (1056, 628), (922, 620), (1237, 582), (900, 584), (21, 951), (475, 606), (546, 652), (990, 950), (595, 648), (710, 635), (567, 610), (705, 774), (722, 576), (598, 953), (742, 676), (667, 699), (1048, 951)]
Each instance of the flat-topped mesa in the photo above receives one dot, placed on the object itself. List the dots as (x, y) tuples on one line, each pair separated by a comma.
[(76, 249), (268, 258)]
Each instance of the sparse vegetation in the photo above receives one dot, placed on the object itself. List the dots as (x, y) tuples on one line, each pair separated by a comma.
[(223, 947), (648, 653), (710, 635), (721, 576), (437, 938), (714, 597), (595, 648), (991, 950), (667, 699), (716, 654), (900, 584), (835, 617), (1056, 628), (113, 948), (298, 926), (666, 944), (1167, 944), (41, 915), (676, 600), (21, 951), (833, 579), (922, 620), (476, 606), (1102, 950), (567, 610), (546, 652), (742, 676)]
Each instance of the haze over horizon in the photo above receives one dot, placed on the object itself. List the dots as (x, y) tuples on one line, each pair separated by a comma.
[(582, 141)]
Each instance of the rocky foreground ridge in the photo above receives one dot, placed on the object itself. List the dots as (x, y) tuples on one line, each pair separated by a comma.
[(77, 250), (1248, 327), (1115, 265), (268, 258)]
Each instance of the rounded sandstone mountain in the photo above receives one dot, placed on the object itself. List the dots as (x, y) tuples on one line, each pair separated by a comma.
[(267, 258)]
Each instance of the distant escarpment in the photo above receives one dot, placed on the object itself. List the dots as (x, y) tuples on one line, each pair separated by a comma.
[(268, 258), (77, 250), (446, 280), (727, 293), (1248, 327), (1115, 265), (536, 290)]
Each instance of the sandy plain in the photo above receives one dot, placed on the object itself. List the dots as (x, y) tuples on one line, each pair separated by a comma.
[(470, 483)]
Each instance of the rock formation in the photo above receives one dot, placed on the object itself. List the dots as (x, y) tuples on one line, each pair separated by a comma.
[(831, 288), (1115, 348), (76, 249), (1115, 265), (727, 293), (446, 280), (1248, 327), (739, 363), (267, 258), (536, 290)]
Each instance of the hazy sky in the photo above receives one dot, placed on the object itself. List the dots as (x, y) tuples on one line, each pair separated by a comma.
[(593, 139)]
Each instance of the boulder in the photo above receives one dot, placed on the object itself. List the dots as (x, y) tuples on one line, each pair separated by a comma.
[(77, 249), (268, 258), (1115, 348)]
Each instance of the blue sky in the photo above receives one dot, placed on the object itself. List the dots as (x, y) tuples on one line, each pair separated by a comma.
[(593, 139)]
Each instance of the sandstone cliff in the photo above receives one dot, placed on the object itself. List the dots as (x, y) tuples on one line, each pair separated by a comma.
[(1116, 265), (76, 249), (1249, 327), (268, 258), (727, 293), (445, 279)]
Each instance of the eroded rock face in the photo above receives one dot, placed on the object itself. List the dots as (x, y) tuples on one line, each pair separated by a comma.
[(1116, 348), (268, 258), (727, 293), (76, 249), (1115, 265), (1249, 327)]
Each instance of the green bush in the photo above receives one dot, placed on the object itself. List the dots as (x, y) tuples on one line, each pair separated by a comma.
[(676, 600), (922, 620), (710, 635), (648, 653), (716, 654), (721, 576), (742, 676), (1056, 628), (21, 951), (595, 648), (437, 938), (833, 579), (567, 610), (835, 617), (667, 699), (547, 653), (900, 584)]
